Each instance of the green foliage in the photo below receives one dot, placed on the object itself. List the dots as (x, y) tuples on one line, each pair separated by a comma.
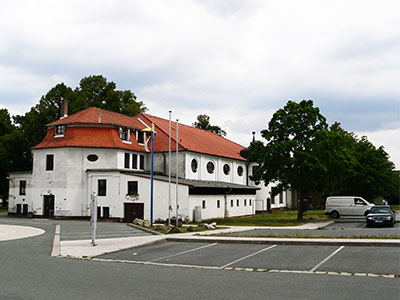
[(301, 152), (203, 122)]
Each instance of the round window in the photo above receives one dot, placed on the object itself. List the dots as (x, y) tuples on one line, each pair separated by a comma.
[(240, 171), (227, 169), (92, 157), (210, 167), (194, 165)]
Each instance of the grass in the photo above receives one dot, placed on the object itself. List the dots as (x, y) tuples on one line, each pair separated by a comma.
[(184, 229), (276, 218), (395, 207), (3, 210)]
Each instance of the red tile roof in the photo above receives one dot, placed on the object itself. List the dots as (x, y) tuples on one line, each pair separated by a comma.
[(95, 130), (192, 139)]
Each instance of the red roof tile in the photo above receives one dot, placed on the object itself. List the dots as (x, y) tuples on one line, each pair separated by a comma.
[(192, 139)]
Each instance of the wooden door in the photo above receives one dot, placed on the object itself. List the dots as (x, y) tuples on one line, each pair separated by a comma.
[(133, 211), (48, 211)]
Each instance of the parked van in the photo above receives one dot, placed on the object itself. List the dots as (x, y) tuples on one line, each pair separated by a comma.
[(337, 206)]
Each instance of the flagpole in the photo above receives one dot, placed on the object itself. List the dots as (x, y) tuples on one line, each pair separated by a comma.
[(177, 139), (152, 173), (169, 172)]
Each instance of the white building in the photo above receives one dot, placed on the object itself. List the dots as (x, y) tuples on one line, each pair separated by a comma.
[(108, 153)]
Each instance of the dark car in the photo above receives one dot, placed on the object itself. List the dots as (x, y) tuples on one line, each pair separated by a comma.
[(381, 215)]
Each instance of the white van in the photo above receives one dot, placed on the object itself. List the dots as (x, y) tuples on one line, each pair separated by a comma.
[(337, 206)]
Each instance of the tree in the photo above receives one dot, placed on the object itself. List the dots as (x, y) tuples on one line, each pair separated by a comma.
[(203, 122), (288, 155)]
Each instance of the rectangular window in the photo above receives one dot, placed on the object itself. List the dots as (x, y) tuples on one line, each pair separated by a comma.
[(124, 133), (102, 187), (127, 163), (22, 187), (106, 212), (132, 188), (141, 163), (49, 162), (98, 212), (273, 200), (237, 202), (255, 169), (245, 202), (231, 203), (281, 198), (203, 204), (140, 138), (250, 202), (134, 161), (60, 129), (218, 204)]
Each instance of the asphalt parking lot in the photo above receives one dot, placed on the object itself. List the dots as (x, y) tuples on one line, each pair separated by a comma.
[(343, 259)]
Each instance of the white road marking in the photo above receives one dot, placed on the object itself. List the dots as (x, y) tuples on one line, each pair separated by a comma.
[(184, 252), (326, 259), (250, 255), (56, 241), (363, 226)]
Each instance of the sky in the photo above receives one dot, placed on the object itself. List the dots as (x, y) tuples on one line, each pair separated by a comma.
[(236, 60)]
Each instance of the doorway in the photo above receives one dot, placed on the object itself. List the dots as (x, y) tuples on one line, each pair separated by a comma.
[(133, 211), (48, 211)]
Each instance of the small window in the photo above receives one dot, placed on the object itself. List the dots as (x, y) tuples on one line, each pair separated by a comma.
[(227, 169), (92, 157), (140, 138), (194, 165), (98, 211), (273, 200), (141, 163), (124, 133), (134, 161), (106, 212), (22, 187), (281, 198), (218, 203), (240, 171), (359, 201), (203, 204), (102, 187), (210, 167), (237, 202), (127, 162), (60, 130), (231, 203), (250, 202), (132, 188), (245, 202), (49, 162)]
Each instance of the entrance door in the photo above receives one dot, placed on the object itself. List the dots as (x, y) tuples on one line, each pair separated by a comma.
[(133, 211), (48, 211), (19, 209), (25, 209)]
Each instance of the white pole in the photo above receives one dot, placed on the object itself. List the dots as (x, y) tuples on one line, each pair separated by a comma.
[(177, 139), (94, 217), (169, 172)]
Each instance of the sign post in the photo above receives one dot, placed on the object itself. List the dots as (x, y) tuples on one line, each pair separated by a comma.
[(93, 219)]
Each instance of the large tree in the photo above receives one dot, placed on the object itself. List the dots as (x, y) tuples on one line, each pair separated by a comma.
[(288, 157), (203, 122)]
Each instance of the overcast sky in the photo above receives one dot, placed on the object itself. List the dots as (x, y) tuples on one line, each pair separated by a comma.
[(237, 61)]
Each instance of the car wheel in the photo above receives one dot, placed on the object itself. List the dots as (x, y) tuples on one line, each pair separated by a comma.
[(335, 214), (369, 224), (392, 224)]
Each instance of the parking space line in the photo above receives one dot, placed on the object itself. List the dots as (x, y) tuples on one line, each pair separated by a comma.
[(326, 259), (184, 252), (363, 226), (250, 255)]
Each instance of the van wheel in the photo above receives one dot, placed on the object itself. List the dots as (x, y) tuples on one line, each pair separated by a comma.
[(335, 214), (366, 213)]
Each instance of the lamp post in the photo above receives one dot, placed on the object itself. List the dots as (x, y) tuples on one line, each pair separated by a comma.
[(152, 170)]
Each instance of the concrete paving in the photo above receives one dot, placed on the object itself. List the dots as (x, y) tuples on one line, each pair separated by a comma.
[(15, 232)]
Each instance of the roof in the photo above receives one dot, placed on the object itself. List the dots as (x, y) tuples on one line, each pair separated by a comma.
[(94, 127), (94, 115), (192, 139)]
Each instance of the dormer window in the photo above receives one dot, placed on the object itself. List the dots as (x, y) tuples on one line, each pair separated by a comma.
[(124, 133), (60, 130), (140, 137)]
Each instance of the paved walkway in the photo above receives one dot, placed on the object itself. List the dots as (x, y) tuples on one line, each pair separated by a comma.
[(15, 232)]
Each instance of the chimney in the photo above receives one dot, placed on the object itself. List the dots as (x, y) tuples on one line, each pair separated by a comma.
[(64, 108)]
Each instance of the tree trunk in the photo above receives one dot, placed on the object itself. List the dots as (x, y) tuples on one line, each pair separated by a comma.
[(300, 204)]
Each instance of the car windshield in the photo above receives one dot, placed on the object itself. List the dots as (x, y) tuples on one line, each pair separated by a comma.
[(377, 210)]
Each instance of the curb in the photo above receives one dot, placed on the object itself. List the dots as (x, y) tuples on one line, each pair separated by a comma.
[(287, 241), (144, 229)]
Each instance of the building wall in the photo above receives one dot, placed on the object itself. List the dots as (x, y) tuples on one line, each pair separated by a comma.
[(14, 191)]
